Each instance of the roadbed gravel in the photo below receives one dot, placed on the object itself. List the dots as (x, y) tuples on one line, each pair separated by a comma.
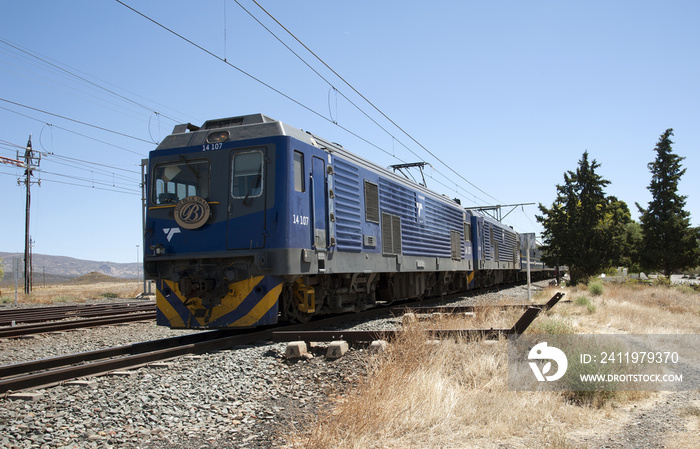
[(246, 397)]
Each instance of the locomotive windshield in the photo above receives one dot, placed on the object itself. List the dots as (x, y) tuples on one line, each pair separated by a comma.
[(247, 175), (173, 182)]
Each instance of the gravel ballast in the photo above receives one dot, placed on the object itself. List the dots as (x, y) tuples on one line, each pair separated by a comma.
[(246, 397)]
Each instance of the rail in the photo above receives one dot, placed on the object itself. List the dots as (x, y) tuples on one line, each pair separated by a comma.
[(518, 328)]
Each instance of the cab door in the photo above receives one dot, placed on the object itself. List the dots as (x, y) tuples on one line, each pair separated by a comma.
[(318, 198), (247, 199)]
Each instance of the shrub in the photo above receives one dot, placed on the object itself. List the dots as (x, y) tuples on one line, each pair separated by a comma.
[(596, 288), (662, 281), (582, 301), (109, 295)]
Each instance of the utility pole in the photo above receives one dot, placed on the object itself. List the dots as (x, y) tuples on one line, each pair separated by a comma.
[(29, 161)]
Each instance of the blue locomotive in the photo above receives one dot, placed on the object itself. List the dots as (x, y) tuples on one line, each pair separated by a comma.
[(250, 221)]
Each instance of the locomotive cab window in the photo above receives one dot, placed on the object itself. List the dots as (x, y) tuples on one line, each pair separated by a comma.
[(173, 182), (247, 175), (298, 171)]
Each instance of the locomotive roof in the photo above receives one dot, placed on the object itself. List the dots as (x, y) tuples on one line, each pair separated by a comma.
[(258, 125), (239, 128)]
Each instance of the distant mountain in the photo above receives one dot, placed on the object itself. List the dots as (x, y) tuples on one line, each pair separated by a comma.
[(65, 268)]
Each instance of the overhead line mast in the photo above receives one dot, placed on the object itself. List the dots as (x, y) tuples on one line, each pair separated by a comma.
[(30, 163)]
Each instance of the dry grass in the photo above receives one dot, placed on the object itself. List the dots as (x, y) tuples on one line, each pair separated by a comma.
[(636, 308), (454, 393), (61, 293), (439, 394), (688, 437)]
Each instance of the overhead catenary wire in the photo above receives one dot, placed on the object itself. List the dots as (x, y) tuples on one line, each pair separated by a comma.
[(336, 91), (84, 165), (254, 78), (72, 132), (85, 80), (334, 121), (95, 170), (92, 181), (299, 103), (76, 121), (373, 105), (75, 92), (135, 172), (131, 192), (356, 106)]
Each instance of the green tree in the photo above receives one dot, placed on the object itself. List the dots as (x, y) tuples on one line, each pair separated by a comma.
[(2, 271), (669, 243), (618, 233), (584, 229), (634, 242)]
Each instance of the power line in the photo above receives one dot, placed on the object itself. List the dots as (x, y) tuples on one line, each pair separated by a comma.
[(132, 192), (98, 171), (372, 104), (70, 131), (135, 172), (76, 121), (91, 181), (85, 80), (258, 80), (10, 144), (346, 98), (73, 91), (225, 61), (322, 77)]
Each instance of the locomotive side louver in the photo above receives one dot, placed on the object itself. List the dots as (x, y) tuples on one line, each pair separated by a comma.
[(371, 202), (391, 234), (456, 244)]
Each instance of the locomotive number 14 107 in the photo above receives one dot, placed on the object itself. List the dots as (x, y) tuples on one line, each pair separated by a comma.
[(302, 220), (212, 146)]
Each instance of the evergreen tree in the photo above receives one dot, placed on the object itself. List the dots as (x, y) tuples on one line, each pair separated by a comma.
[(584, 229), (619, 230), (669, 243)]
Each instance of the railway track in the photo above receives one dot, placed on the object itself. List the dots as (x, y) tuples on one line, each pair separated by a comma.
[(87, 316), (519, 327), (57, 326), (36, 314), (56, 370)]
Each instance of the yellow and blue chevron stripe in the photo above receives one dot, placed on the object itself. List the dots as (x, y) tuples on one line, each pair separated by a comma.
[(470, 279), (250, 302)]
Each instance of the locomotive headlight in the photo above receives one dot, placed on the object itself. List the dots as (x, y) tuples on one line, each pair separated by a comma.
[(158, 250), (217, 136)]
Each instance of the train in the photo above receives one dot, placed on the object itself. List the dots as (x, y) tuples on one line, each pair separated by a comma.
[(250, 221)]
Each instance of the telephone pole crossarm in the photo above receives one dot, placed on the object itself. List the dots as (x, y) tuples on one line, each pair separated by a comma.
[(16, 162)]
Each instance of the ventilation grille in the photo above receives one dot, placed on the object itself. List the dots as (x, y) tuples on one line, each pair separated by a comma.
[(371, 202), (456, 241), (391, 234)]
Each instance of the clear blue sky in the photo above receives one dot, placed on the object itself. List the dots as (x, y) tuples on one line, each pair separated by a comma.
[(508, 94)]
